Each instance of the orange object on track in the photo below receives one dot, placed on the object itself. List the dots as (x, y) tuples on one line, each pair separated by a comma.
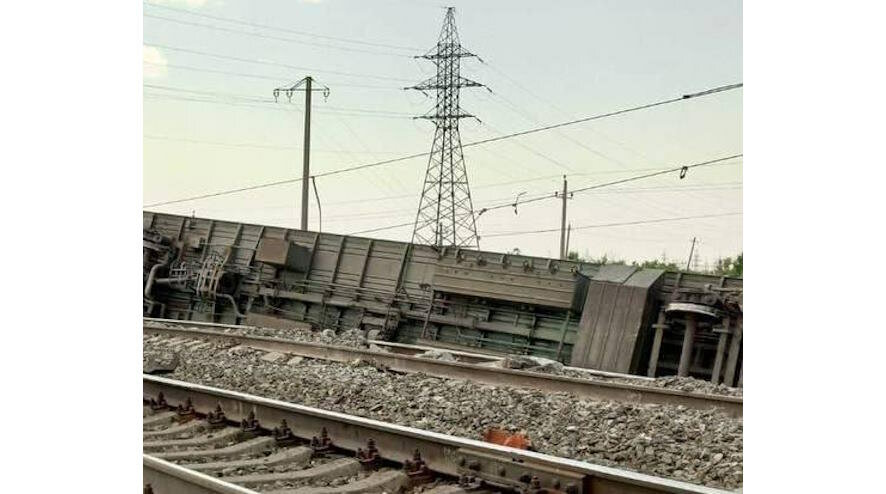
[(498, 436)]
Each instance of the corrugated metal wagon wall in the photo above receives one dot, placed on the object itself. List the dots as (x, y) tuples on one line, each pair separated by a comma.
[(592, 316)]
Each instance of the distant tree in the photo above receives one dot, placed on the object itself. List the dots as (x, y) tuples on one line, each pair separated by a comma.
[(726, 266), (604, 259), (657, 264)]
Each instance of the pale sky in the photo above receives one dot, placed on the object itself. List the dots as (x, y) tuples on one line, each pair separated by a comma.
[(210, 122)]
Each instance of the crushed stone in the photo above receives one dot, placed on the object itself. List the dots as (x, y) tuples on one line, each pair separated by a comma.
[(438, 355), (690, 384), (350, 338), (356, 338), (698, 446)]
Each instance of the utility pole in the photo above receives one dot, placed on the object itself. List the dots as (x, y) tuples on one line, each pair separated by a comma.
[(305, 85), (568, 234), (564, 196), (691, 251)]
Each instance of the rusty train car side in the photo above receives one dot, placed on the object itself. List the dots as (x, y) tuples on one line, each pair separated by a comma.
[(614, 318)]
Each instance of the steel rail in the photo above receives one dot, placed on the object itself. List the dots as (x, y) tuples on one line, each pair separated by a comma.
[(596, 389), (168, 478), (404, 348), (444, 454)]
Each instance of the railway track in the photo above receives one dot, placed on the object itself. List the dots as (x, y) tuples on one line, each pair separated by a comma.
[(200, 439), (404, 358)]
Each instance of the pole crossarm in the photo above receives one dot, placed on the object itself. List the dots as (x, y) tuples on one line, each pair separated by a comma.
[(301, 85)]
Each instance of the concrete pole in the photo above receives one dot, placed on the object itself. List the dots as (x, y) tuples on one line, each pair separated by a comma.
[(306, 171), (688, 344), (563, 223), (568, 234)]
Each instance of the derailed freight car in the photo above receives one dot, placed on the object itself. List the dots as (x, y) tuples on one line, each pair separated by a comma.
[(610, 317)]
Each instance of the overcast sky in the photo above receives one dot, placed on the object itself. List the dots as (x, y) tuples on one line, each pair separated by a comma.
[(211, 124)]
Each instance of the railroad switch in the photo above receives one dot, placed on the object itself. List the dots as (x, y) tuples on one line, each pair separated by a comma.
[(217, 419), (417, 470), (250, 425), (369, 458), (321, 445), (283, 435), (159, 403)]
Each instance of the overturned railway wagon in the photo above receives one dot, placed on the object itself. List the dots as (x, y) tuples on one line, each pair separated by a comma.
[(607, 317)]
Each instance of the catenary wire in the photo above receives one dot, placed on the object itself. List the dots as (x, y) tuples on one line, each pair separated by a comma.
[(616, 182), (584, 227), (519, 202), (607, 225)]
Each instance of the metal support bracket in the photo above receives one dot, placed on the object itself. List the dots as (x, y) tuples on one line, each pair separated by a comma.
[(516, 473)]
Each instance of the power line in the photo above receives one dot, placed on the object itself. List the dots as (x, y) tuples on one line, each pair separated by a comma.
[(268, 100), (287, 181), (541, 155), (611, 114), (535, 121), (256, 104), (607, 225), (585, 227), (266, 36), (286, 30), (566, 136), (475, 143), (259, 76), (273, 63), (257, 145), (411, 223)]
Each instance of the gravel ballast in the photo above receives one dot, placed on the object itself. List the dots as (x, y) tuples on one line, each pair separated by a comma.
[(355, 338), (702, 447)]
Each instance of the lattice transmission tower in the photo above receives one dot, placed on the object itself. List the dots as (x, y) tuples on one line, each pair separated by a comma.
[(445, 213)]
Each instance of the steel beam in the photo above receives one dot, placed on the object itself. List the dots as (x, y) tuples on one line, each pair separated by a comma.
[(659, 326), (688, 345), (721, 351), (732, 359)]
